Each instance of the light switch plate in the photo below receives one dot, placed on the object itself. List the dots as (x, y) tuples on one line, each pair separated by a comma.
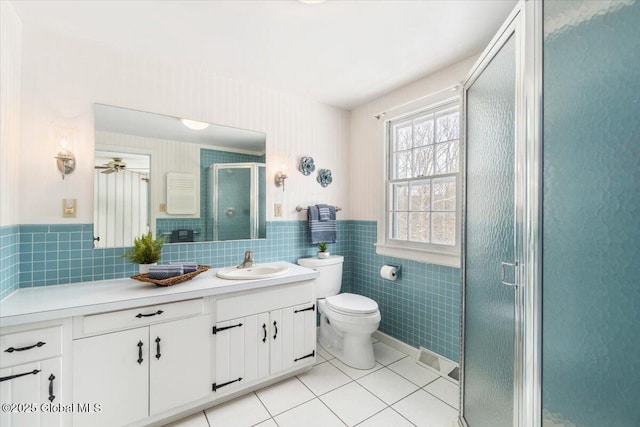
[(277, 210), (68, 208)]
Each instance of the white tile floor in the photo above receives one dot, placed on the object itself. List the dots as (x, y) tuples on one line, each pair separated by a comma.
[(397, 392)]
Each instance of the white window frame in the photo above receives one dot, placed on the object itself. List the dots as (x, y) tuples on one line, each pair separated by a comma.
[(424, 252)]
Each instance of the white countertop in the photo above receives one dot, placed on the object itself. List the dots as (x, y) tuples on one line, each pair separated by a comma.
[(27, 305)]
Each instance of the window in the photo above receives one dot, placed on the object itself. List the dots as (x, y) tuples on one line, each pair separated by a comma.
[(422, 212)]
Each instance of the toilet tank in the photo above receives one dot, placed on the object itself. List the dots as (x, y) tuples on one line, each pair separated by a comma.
[(330, 269)]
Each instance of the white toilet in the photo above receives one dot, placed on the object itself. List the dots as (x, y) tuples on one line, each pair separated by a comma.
[(346, 320)]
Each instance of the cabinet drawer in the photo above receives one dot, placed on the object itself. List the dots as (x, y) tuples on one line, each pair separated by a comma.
[(135, 317), (29, 346), (258, 302)]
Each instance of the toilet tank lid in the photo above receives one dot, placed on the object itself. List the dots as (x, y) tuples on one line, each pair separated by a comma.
[(320, 262)]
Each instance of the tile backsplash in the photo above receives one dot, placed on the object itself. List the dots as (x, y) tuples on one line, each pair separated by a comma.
[(9, 259), (421, 308)]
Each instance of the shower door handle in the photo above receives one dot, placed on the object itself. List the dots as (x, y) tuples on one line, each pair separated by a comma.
[(503, 274)]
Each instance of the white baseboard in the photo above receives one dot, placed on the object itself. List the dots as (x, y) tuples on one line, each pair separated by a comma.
[(445, 365), (396, 344)]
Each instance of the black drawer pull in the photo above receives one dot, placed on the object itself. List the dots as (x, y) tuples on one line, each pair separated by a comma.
[(264, 329), (275, 325), (51, 396), (158, 348), (224, 328), (312, 308), (11, 377), (140, 353), (215, 386), (140, 315), (313, 353), (12, 349)]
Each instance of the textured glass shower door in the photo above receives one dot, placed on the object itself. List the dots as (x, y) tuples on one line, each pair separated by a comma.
[(591, 230), (489, 305)]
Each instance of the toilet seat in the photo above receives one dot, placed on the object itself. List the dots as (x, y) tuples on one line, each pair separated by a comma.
[(352, 304)]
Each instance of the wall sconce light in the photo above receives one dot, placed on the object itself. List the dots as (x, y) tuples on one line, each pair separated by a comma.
[(281, 175), (65, 159)]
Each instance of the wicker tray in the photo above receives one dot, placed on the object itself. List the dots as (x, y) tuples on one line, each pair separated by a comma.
[(171, 280)]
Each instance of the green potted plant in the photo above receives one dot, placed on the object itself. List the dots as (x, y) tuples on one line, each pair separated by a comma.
[(146, 251), (323, 251)]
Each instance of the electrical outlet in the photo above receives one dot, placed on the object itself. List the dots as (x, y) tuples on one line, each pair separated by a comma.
[(163, 207), (277, 209)]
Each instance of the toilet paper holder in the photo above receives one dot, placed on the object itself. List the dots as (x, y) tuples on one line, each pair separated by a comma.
[(396, 273)]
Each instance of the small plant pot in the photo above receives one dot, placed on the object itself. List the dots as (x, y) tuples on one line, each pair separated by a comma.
[(323, 255), (144, 268)]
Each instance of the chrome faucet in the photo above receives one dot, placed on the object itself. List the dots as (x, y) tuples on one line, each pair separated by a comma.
[(248, 260)]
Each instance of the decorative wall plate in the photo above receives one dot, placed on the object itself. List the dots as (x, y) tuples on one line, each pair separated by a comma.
[(306, 165), (324, 177)]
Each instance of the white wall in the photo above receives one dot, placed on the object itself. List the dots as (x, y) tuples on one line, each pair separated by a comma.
[(10, 60), (64, 76), (367, 135)]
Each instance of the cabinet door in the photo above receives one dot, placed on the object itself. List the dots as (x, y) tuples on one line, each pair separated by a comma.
[(281, 351), (230, 354), (27, 387), (180, 363), (242, 351), (256, 347), (304, 334), (293, 337), (112, 370)]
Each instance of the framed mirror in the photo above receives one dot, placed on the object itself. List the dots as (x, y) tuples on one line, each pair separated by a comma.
[(185, 180)]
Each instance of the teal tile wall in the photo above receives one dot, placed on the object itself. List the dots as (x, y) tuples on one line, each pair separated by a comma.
[(167, 225), (58, 254), (9, 259), (421, 308)]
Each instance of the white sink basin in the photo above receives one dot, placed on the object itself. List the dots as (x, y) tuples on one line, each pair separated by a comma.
[(259, 271)]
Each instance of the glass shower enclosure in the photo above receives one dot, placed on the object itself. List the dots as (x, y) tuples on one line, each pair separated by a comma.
[(236, 201), (591, 229), (552, 211)]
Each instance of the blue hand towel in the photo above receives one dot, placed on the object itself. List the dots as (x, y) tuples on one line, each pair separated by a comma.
[(187, 267), (322, 231), (165, 271)]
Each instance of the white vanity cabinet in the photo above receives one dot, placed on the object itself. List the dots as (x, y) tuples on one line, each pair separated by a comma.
[(122, 352), (263, 334), (32, 377), (136, 373)]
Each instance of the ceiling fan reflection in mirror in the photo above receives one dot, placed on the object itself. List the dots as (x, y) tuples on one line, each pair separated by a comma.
[(117, 165)]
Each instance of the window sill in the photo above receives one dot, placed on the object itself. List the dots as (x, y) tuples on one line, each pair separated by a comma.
[(430, 257)]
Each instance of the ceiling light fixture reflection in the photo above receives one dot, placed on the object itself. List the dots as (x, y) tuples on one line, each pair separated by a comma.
[(194, 124)]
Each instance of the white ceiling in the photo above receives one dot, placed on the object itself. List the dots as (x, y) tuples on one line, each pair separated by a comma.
[(340, 52)]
